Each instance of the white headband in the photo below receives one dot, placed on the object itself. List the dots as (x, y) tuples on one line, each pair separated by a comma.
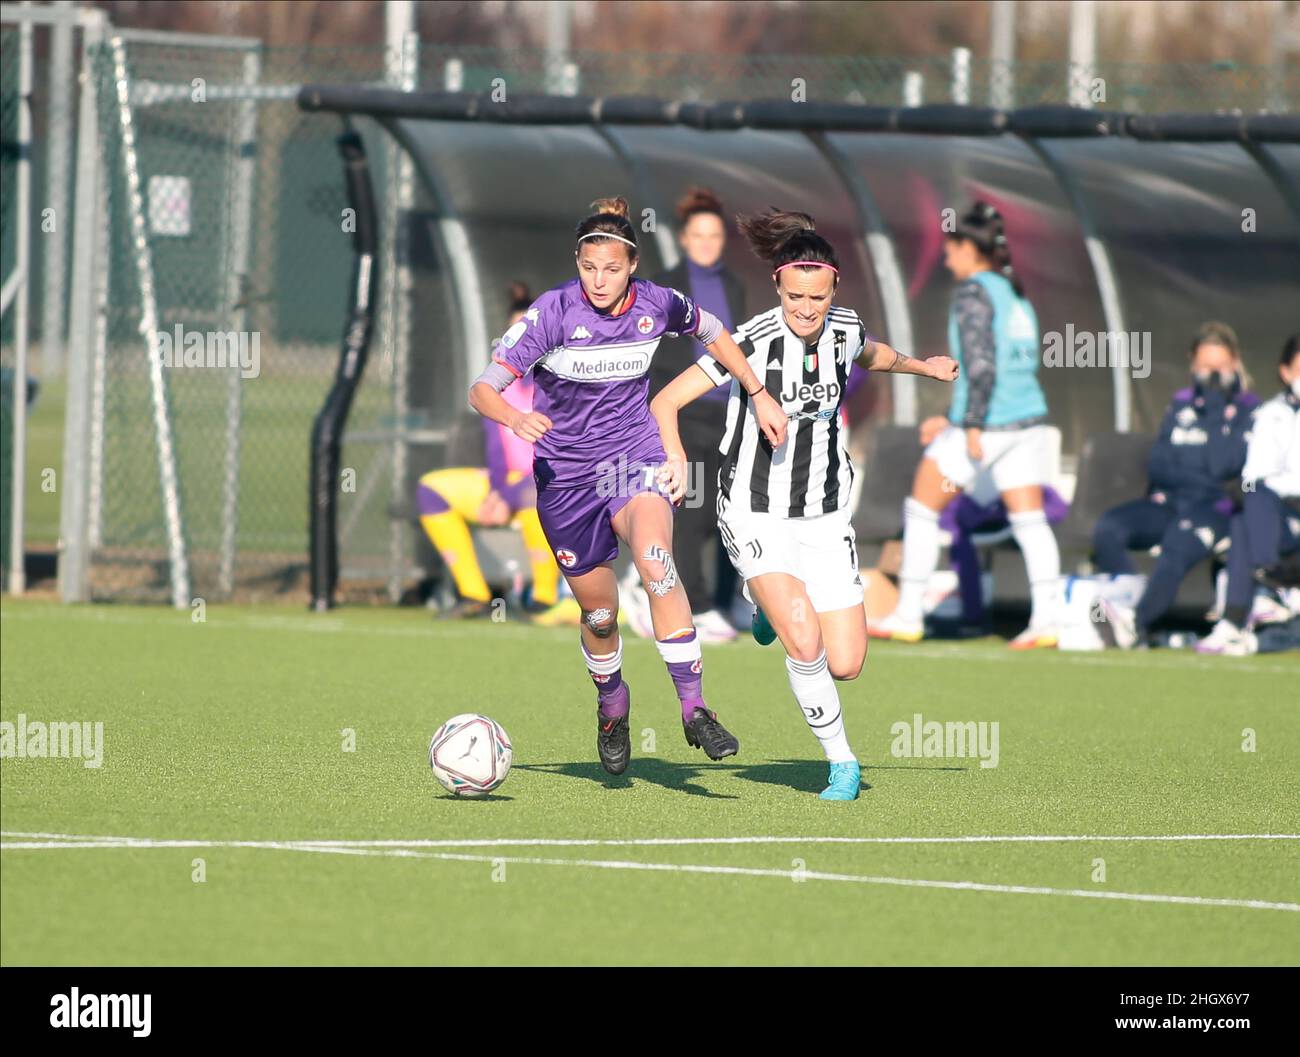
[(607, 235)]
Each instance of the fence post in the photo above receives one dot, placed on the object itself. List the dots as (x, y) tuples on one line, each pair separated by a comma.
[(149, 329), (961, 76), (74, 558)]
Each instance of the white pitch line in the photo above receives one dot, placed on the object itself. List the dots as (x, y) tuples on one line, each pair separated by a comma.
[(335, 848), (791, 875), (62, 836), (64, 840)]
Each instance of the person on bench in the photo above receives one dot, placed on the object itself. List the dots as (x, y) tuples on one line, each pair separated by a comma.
[(1196, 459), (1268, 526), (502, 493)]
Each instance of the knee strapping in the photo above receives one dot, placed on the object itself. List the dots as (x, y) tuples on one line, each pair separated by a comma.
[(600, 622)]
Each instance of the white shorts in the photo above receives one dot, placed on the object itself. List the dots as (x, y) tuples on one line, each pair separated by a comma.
[(820, 551), (1013, 458)]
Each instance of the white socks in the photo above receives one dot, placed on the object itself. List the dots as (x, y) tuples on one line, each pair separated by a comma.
[(814, 689), (920, 556), (1043, 564)]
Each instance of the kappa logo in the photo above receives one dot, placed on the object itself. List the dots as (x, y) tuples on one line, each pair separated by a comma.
[(581, 334), (566, 557), (532, 315), (645, 324)]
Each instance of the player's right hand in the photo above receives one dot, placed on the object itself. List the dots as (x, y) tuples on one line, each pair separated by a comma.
[(531, 426), (672, 476), (931, 428), (771, 419)]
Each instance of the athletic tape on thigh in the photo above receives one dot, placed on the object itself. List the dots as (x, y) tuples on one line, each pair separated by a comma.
[(656, 553)]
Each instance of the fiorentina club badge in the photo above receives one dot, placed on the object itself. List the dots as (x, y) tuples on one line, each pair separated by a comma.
[(566, 558), (645, 324)]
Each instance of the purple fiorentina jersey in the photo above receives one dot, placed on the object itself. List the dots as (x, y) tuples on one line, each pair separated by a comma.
[(591, 377)]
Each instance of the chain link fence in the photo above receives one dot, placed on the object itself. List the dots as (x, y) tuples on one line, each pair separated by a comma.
[(960, 77), (222, 243)]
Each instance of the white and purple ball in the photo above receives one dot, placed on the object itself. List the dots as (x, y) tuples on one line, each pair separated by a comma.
[(470, 755)]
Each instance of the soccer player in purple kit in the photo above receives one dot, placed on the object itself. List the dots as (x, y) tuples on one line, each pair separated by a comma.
[(598, 458)]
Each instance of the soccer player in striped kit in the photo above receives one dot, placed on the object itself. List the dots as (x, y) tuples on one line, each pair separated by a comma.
[(783, 508), (598, 456)]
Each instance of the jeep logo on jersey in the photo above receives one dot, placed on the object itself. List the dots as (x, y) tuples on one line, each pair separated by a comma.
[(645, 324), (820, 391), (566, 557)]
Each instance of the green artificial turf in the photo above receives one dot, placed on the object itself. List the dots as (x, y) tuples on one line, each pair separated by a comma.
[(232, 729)]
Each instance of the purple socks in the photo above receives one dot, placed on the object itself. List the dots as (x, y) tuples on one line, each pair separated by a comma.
[(681, 654)]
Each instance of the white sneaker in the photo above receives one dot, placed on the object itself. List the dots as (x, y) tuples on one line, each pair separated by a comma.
[(1228, 640), (894, 627), (1044, 637), (1120, 626), (712, 626), (635, 604), (1268, 608)]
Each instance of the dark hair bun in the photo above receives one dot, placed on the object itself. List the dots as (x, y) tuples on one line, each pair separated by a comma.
[(698, 200)]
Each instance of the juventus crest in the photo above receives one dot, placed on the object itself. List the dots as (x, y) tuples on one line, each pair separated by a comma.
[(841, 346)]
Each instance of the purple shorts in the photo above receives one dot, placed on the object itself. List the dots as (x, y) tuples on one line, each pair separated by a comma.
[(578, 522)]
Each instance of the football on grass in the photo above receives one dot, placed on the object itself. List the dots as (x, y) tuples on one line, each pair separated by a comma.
[(470, 754)]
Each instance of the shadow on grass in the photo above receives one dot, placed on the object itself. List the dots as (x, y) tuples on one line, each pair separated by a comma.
[(676, 776), (491, 797), (805, 776)]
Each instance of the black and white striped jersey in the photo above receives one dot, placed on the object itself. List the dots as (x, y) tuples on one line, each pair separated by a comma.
[(810, 473)]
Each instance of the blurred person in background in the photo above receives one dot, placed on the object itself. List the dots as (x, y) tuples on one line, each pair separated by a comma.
[(702, 564), (993, 441), (502, 493), (1268, 525), (1193, 471)]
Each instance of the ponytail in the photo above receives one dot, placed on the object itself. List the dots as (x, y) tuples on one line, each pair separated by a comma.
[(784, 238), (608, 223), (984, 227)]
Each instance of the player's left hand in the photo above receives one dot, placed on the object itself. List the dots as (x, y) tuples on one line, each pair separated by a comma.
[(672, 476), (943, 368), (975, 445)]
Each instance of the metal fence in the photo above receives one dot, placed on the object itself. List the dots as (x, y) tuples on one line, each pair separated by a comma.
[(215, 208), (958, 77)]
